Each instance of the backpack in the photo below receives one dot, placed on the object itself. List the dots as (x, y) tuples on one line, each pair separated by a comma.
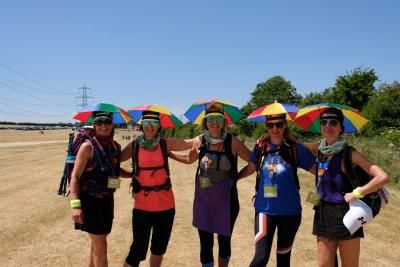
[(287, 151), (136, 186), (227, 151), (358, 177), (74, 143)]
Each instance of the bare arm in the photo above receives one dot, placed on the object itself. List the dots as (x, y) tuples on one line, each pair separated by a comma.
[(240, 149), (126, 153), (174, 144), (189, 158), (312, 147), (84, 155), (249, 169), (380, 178)]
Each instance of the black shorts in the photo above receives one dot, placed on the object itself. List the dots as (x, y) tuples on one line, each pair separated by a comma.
[(159, 224), (98, 214), (328, 221)]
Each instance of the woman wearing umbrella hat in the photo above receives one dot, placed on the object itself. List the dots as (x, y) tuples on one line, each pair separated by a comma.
[(216, 203), (276, 157), (93, 182), (154, 205), (335, 192)]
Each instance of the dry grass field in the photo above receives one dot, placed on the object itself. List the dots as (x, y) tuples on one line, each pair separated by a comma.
[(36, 228)]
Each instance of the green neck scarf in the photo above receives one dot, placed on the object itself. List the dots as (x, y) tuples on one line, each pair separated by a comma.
[(148, 144), (214, 141), (332, 149)]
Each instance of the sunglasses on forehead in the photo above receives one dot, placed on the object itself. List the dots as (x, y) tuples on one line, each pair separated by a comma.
[(278, 125), (333, 122), (153, 123)]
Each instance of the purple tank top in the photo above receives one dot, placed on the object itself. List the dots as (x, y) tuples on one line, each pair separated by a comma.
[(334, 183)]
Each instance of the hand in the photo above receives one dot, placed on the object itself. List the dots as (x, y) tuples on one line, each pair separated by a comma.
[(77, 215), (349, 197)]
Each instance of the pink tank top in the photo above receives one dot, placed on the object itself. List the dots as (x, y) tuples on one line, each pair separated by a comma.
[(153, 201)]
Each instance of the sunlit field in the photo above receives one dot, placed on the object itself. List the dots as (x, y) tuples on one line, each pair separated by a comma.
[(36, 228)]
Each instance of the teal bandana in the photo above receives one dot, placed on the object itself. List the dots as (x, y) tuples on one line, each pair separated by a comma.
[(331, 149), (214, 141), (148, 144)]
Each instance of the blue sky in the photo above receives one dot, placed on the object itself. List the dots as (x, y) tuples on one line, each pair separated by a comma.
[(174, 53)]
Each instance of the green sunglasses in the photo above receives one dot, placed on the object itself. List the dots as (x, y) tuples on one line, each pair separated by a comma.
[(217, 119), (154, 123)]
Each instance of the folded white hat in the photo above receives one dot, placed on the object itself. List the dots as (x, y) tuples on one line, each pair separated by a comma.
[(358, 215)]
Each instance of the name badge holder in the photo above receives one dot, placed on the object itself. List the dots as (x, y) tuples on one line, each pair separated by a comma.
[(113, 182), (205, 182), (313, 197), (271, 190)]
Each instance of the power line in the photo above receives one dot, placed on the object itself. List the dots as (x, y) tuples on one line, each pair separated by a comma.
[(31, 111), (31, 80), (29, 87), (36, 97), (31, 104)]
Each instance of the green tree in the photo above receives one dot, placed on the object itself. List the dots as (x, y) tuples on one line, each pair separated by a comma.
[(317, 97), (275, 88), (356, 88), (383, 110)]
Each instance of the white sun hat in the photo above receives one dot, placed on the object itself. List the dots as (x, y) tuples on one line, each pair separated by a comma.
[(358, 215)]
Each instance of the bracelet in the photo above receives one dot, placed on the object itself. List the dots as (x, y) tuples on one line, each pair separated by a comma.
[(75, 203), (357, 193)]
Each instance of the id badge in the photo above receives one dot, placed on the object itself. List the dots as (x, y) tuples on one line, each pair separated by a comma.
[(270, 191), (113, 182), (313, 198), (205, 182)]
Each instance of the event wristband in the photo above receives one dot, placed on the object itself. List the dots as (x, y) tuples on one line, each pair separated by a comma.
[(75, 203), (357, 193)]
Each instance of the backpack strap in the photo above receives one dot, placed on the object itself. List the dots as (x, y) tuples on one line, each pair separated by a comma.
[(348, 166), (293, 160), (135, 160), (261, 156), (164, 151), (202, 152)]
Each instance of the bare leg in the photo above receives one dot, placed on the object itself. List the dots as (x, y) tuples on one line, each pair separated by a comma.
[(90, 258), (349, 252), (155, 260), (99, 250), (326, 252)]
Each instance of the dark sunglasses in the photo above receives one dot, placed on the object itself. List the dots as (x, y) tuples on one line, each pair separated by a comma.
[(278, 125), (333, 122), (98, 123)]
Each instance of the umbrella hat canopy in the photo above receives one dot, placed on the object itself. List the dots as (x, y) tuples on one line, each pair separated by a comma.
[(276, 108), (197, 111), (308, 117), (167, 119), (119, 114)]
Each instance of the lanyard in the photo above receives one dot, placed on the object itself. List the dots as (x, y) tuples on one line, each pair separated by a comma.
[(321, 168), (104, 154)]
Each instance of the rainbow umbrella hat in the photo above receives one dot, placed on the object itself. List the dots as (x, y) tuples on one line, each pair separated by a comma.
[(120, 116), (167, 119), (259, 114), (197, 111), (308, 117)]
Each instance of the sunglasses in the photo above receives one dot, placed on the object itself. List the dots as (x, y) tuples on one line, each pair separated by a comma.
[(278, 125), (215, 119), (333, 122), (98, 123), (153, 123)]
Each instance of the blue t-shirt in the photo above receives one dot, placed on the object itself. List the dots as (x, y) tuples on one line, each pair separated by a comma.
[(287, 201)]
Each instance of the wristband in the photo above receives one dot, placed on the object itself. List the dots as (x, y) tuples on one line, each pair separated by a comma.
[(75, 203), (357, 193)]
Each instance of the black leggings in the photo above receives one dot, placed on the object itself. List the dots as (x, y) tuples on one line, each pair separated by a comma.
[(159, 223), (264, 227)]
